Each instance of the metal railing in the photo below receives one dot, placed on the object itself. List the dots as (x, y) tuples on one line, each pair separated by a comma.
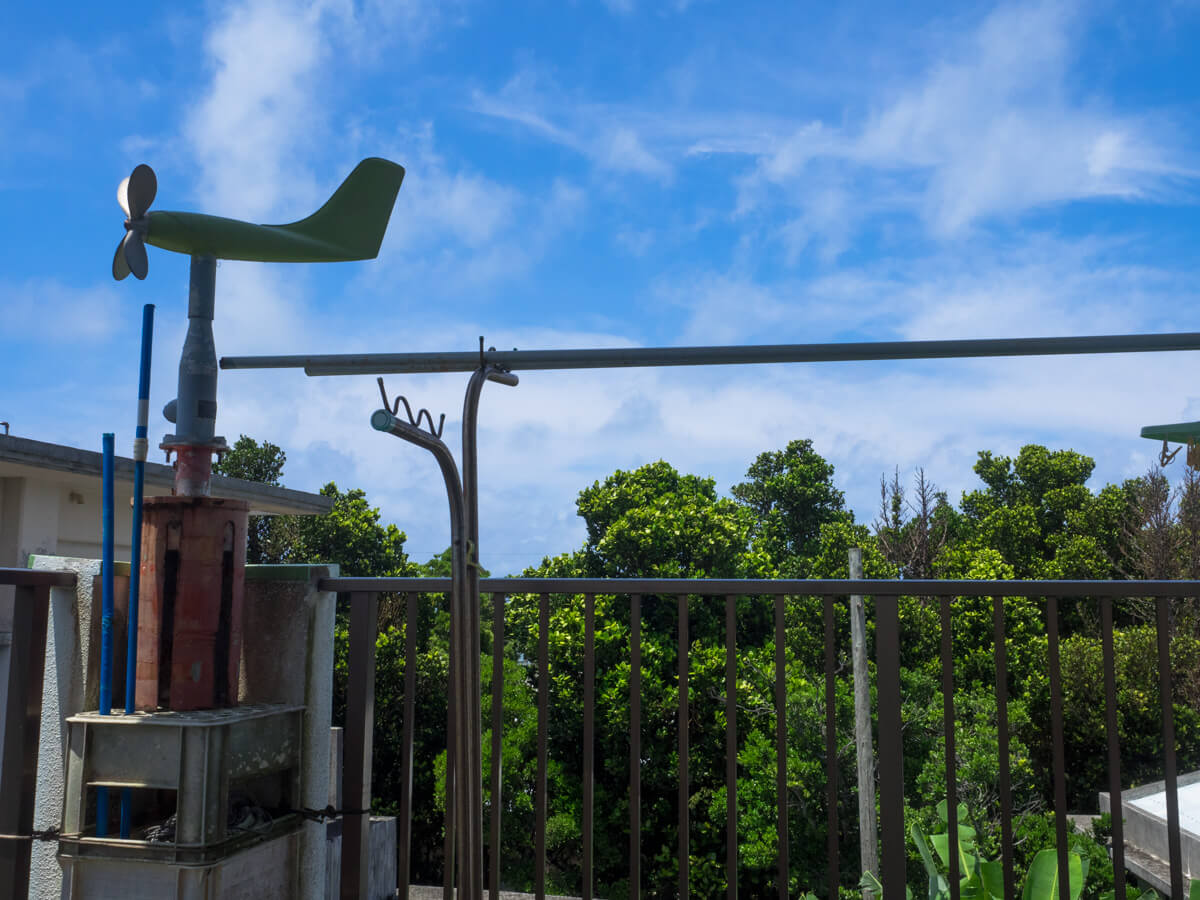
[(364, 597), (22, 715), (28, 611)]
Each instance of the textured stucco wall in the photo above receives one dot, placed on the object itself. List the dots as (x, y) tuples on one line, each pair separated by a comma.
[(62, 696)]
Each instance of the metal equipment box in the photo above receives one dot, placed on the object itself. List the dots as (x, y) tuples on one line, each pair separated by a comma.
[(199, 756)]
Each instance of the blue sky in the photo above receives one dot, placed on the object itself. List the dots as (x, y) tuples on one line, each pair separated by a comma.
[(618, 173)]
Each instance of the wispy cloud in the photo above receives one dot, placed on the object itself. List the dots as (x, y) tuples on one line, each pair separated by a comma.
[(993, 124), (1038, 286), (992, 128), (605, 136)]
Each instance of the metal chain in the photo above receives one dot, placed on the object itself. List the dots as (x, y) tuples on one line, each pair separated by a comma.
[(305, 812)]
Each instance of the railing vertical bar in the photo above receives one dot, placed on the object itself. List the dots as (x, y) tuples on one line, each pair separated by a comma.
[(1006, 812), (948, 721), (543, 724), (731, 751), (21, 733), (1170, 783), (404, 839), (449, 844), (1057, 751), (1114, 747), (498, 603), (589, 737), (781, 811), (831, 767), (635, 745), (891, 747), (360, 720), (684, 721)]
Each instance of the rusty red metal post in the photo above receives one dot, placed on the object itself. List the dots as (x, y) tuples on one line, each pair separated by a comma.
[(190, 603)]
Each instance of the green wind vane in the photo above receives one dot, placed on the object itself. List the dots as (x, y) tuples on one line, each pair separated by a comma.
[(349, 226)]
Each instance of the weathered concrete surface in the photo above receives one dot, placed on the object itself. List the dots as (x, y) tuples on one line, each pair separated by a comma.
[(381, 880), (287, 657)]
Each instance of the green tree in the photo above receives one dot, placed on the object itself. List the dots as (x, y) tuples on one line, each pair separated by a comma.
[(263, 463), (350, 534), (791, 495), (1037, 512), (657, 522)]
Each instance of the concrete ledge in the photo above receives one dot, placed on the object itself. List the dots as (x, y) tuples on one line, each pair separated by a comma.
[(1146, 834)]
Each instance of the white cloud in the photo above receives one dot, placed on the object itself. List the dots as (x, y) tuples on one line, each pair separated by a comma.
[(262, 100), (990, 129), (46, 309), (993, 287)]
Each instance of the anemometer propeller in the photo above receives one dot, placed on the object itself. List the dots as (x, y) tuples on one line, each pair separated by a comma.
[(135, 194), (349, 226)]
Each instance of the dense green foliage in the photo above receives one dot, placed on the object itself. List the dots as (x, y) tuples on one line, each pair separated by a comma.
[(1033, 516)]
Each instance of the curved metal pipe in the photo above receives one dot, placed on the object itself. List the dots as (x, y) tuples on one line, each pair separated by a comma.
[(468, 851)]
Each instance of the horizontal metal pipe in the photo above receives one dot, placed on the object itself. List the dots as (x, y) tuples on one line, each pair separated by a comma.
[(801, 587), (620, 357)]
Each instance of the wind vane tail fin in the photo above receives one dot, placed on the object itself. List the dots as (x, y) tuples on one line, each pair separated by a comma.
[(356, 216)]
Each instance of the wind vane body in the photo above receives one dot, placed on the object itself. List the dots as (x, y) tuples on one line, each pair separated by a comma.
[(350, 226)]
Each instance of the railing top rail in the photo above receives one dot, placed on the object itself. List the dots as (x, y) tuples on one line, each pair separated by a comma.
[(36, 578), (803, 587)]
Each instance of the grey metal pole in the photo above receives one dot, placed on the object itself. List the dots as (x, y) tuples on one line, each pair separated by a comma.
[(473, 715), (620, 357), (868, 836), (194, 409)]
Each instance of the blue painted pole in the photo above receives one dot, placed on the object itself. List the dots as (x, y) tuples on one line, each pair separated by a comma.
[(106, 615), (135, 553)]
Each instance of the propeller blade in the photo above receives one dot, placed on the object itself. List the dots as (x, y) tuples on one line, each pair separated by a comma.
[(135, 254), (120, 267), (122, 195), (139, 192)]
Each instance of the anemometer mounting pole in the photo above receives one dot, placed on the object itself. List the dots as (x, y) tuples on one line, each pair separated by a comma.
[(194, 409)]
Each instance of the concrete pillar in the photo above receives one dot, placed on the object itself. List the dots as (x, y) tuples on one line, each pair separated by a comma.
[(288, 622), (287, 657)]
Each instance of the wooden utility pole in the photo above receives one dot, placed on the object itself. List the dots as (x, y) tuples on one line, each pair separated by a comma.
[(868, 832)]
